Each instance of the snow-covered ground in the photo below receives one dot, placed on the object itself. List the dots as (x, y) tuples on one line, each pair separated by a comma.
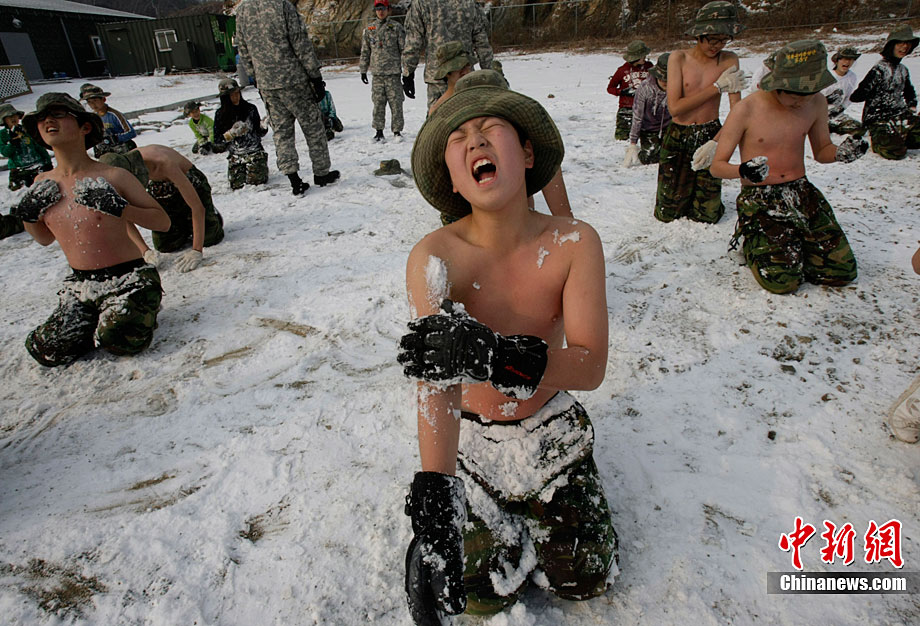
[(250, 467)]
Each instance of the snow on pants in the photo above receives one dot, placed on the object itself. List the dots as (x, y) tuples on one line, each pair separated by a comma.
[(247, 169), (681, 191), (536, 508), (286, 105), (649, 147), (113, 308), (387, 88), (179, 234), (624, 123), (844, 125), (892, 139), (790, 235), (10, 225)]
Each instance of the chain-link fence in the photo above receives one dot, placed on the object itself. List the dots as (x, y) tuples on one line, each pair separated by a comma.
[(13, 81)]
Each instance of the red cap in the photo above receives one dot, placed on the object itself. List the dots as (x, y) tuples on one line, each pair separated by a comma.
[(382, 3)]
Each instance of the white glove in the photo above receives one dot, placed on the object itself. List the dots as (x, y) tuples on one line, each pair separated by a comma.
[(152, 256), (239, 129), (189, 261), (732, 80), (703, 156), (632, 155)]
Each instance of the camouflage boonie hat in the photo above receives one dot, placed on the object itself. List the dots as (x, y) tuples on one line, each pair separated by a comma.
[(227, 85), (482, 94), (660, 71), (636, 50), (190, 106), (8, 110), (88, 91), (716, 18), (388, 168), (800, 67), (451, 57), (845, 53), (131, 161), (902, 34), (70, 104)]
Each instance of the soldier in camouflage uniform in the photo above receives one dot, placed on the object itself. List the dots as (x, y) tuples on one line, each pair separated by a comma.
[(276, 50), (381, 54), (790, 232), (238, 130), (891, 100), (431, 23)]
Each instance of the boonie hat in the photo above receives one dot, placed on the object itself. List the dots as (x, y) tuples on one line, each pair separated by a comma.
[(660, 71), (451, 56), (800, 67), (131, 161), (482, 94), (845, 53), (636, 50), (190, 106), (716, 18), (88, 91), (227, 85), (388, 168), (902, 34), (70, 104), (7, 110)]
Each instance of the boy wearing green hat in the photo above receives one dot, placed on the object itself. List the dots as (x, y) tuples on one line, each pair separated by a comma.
[(625, 81), (112, 298), (453, 64), (790, 231), (26, 157), (118, 133), (202, 127), (890, 112), (697, 78), (838, 94), (650, 116), (510, 311)]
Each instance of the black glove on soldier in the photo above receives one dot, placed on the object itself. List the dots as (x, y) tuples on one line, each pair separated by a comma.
[(363, 78), (756, 170), (409, 85), (43, 194), (453, 347), (851, 149), (319, 88), (99, 194), (434, 562)]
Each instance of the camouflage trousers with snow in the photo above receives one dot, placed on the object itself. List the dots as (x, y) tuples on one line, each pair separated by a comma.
[(649, 147), (893, 138), (624, 123), (546, 519), (681, 191), (247, 169), (845, 125), (791, 235), (113, 308), (180, 233)]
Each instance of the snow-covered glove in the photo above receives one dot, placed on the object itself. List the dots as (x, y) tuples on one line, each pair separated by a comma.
[(703, 156), (632, 155), (756, 170), (409, 85), (42, 195), (834, 98), (434, 562), (238, 129), (363, 78), (189, 261), (99, 194), (152, 257), (453, 347), (851, 149), (732, 80)]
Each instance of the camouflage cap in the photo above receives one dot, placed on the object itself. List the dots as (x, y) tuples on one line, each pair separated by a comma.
[(190, 106), (660, 71), (131, 161), (388, 167), (845, 53), (716, 18), (636, 50), (451, 56), (482, 94), (8, 110), (227, 85), (902, 34), (69, 104), (800, 67), (88, 91)]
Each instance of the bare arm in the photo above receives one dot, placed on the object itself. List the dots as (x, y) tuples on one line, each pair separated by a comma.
[(733, 99), (135, 235), (142, 209), (39, 232), (820, 136), (556, 196), (729, 138), (177, 177)]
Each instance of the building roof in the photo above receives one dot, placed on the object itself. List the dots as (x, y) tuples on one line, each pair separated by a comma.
[(65, 6)]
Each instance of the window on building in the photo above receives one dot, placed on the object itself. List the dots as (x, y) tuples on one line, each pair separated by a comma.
[(165, 39), (96, 44)]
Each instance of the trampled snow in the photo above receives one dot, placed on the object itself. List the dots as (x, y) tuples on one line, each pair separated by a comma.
[(251, 466)]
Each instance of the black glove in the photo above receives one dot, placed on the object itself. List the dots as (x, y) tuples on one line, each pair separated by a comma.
[(43, 194), (851, 149), (319, 88), (363, 78), (16, 133), (756, 170), (452, 346), (434, 561), (834, 98), (99, 194), (196, 148), (409, 85), (629, 92)]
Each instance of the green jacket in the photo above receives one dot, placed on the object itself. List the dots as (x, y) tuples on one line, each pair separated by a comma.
[(204, 129), (23, 154)]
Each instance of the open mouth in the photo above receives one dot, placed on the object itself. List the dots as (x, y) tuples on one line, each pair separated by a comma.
[(483, 171)]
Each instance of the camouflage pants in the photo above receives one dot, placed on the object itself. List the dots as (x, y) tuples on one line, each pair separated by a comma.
[(180, 231), (435, 91), (387, 88), (564, 532), (10, 225), (844, 125), (681, 191), (649, 147), (790, 235), (624, 123), (286, 105), (892, 139), (113, 308), (24, 176), (247, 169)]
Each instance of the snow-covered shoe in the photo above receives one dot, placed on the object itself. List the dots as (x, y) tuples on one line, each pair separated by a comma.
[(904, 418)]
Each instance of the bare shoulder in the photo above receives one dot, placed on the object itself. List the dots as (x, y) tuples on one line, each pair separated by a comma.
[(567, 229), (728, 58)]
